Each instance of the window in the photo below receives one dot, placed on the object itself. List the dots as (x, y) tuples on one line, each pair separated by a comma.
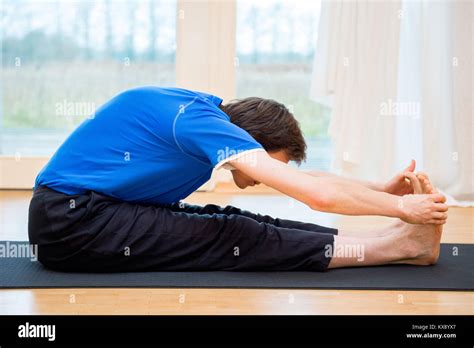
[(63, 59), (276, 40)]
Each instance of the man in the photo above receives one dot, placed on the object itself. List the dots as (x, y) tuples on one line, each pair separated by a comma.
[(109, 198)]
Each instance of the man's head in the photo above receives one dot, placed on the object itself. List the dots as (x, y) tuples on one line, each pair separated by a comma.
[(272, 125)]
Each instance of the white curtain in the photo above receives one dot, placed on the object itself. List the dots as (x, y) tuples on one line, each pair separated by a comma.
[(398, 77)]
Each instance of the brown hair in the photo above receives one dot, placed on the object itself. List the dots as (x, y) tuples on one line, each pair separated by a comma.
[(270, 123)]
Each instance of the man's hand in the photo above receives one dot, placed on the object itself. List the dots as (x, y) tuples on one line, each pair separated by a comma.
[(426, 205), (424, 209), (399, 185)]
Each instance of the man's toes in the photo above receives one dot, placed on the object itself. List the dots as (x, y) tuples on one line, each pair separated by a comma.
[(424, 184), (424, 175), (430, 188), (415, 182), (427, 187)]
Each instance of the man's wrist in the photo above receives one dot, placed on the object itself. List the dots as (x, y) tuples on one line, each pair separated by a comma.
[(396, 208), (401, 211)]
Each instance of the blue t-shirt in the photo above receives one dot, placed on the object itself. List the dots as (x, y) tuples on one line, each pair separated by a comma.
[(148, 144)]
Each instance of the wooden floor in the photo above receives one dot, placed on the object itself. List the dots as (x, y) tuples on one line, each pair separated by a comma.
[(13, 226)]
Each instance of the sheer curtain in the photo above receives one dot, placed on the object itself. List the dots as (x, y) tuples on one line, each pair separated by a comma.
[(398, 76)]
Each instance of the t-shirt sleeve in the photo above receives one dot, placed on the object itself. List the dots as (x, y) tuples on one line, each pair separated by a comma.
[(212, 139)]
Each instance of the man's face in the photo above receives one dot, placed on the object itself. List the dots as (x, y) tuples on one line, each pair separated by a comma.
[(242, 180)]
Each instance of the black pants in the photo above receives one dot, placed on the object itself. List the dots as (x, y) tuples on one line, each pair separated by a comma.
[(95, 233)]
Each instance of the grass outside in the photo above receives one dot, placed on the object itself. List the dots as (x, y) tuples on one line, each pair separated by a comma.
[(33, 95)]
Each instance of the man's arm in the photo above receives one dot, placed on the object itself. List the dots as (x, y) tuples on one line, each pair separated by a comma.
[(338, 196), (401, 184), (371, 185)]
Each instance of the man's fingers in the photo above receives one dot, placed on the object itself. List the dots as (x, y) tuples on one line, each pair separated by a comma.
[(438, 198), (441, 207), (408, 186), (414, 182), (411, 166), (440, 216), (436, 222)]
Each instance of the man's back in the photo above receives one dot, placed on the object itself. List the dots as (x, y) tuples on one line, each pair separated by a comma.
[(147, 144)]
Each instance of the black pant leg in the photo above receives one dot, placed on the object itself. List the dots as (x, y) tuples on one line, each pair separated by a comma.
[(230, 210), (118, 236)]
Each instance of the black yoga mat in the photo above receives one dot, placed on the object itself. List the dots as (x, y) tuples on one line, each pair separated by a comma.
[(454, 271)]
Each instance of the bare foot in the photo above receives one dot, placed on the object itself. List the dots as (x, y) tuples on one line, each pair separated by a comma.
[(422, 242)]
